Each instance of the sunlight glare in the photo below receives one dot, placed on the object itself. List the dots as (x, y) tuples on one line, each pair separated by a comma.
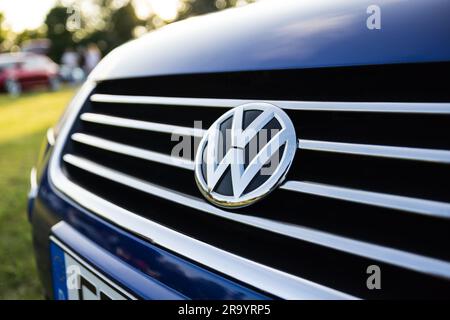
[(25, 14), (165, 9)]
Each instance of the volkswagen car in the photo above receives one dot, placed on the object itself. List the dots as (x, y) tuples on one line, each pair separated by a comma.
[(347, 197)]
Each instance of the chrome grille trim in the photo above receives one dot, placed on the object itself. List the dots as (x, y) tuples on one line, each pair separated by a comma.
[(141, 125), (265, 278), (132, 151), (51, 137), (280, 284), (415, 205), (273, 281), (409, 204), (372, 251), (406, 153), (396, 107)]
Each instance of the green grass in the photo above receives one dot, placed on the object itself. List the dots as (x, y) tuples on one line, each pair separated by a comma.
[(23, 123)]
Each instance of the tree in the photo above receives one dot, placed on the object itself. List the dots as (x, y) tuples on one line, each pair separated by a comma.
[(120, 27), (109, 29), (199, 7), (28, 35), (57, 32), (2, 32)]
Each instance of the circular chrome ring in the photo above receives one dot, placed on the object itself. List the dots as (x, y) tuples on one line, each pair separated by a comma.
[(210, 168)]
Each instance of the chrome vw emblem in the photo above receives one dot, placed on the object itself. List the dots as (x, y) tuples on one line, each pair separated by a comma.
[(245, 154)]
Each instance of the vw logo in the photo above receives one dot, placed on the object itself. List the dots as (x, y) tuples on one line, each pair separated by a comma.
[(245, 155)]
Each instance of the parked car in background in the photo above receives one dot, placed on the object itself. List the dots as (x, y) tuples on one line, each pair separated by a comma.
[(23, 71)]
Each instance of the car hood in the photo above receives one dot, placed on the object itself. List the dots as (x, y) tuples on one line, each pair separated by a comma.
[(287, 34)]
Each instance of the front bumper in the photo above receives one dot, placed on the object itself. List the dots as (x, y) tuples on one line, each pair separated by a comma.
[(145, 269)]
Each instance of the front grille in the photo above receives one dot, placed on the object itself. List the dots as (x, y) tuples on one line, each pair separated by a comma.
[(369, 185)]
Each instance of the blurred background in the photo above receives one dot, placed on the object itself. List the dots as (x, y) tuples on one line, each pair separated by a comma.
[(47, 49)]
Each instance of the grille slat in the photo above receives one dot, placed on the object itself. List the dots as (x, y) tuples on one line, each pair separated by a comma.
[(388, 107), (132, 151), (406, 153), (142, 125), (119, 136), (420, 206)]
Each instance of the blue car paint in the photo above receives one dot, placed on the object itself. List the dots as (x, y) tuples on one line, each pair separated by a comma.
[(288, 35), (92, 238), (139, 283)]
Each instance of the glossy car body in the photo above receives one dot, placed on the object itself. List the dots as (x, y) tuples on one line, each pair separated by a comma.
[(301, 50), (27, 69)]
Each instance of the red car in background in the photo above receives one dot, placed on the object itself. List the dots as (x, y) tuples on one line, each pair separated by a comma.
[(22, 71)]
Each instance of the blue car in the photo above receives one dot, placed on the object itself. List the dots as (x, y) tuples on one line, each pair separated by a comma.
[(281, 150)]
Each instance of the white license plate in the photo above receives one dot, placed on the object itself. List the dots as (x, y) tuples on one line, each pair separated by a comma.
[(74, 279)]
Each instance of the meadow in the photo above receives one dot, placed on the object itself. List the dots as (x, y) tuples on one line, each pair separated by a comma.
[(23, 123)]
